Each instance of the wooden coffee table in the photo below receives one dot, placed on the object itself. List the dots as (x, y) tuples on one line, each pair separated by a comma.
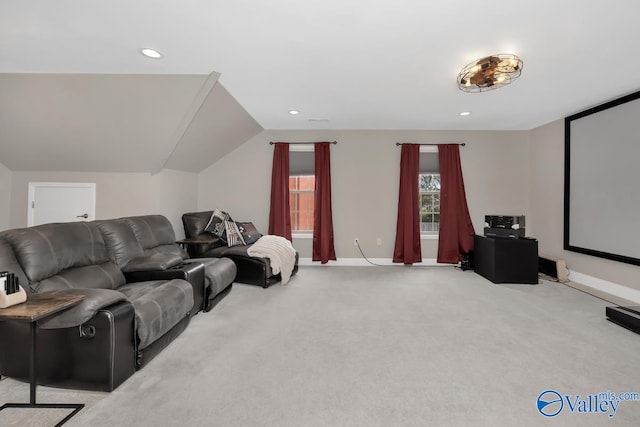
[(38, 307)]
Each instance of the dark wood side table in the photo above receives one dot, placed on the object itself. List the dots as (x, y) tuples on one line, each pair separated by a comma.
[(196, 241), (37, 307), (189, 242)]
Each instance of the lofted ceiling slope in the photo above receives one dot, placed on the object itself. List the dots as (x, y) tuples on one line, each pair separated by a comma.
[(218, 127), (117, 122)]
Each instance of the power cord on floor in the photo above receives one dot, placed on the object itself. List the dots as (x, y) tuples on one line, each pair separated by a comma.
[(555, 279), (567, 283), (367, 259), (548, 278), (392, 265)]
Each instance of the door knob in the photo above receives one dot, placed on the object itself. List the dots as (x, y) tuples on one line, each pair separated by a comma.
[(85, 216)]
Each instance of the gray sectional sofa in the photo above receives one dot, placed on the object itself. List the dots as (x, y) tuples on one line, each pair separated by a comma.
[(145, 247), (140, 292), (201, 244)]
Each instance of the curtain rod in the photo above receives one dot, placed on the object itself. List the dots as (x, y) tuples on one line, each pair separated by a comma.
[(402, 143), (271, 142)]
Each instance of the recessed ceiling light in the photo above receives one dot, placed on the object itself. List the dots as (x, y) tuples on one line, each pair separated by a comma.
[(150, 53), (294, 112), (464, 113)]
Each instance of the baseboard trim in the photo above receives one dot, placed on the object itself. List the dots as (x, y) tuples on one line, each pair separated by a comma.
[(611, 288), (361, 262), (605, 286)]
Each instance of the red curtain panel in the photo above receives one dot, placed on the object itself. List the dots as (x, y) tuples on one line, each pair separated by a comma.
[(279, 216), (407, 248), (323, 249), (456, 230)]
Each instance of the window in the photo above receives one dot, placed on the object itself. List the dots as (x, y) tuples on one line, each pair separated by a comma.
[(429, 188), (429, 191), (301, 199), (301, 187)]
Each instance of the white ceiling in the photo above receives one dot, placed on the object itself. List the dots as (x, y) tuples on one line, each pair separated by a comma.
[(362, 64)]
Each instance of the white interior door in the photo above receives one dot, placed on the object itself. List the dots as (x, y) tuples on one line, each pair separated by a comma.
[(61, 202)]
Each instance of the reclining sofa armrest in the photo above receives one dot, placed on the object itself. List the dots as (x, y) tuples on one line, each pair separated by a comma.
[(94, 301), (152, 262), (191, 272)]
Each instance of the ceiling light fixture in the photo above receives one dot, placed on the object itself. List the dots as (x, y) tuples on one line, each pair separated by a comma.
[(490, 73), (294, 112), (464, 113), (150, 53)]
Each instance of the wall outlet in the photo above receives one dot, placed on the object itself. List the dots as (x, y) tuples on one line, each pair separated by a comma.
[(379, 241), (355, 241)]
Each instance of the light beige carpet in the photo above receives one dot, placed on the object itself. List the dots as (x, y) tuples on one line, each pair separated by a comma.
[(375, 346)]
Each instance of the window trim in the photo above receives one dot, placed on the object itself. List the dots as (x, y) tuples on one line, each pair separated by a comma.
[(425, 235), (301, 234), (429, 236), (292, 200)]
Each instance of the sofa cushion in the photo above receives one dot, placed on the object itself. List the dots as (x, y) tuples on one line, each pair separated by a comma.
[(218, 273), (235, 251), (222, 226), (233, 235), (217, 224), (238, 252), (48, 249), (120, 240), (8, 262), (100, 276), (250, 233), (95, 299), (167, 250), (152, 230), (159, 306), (195, 222), (153, 262)]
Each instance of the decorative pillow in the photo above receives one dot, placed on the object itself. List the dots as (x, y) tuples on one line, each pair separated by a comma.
[(249, 232), (233, 235), (216, 224)]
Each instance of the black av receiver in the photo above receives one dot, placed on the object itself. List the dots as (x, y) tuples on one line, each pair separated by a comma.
[(508, 226)]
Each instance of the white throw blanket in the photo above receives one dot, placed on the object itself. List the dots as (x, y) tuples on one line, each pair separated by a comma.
[(280, 253)]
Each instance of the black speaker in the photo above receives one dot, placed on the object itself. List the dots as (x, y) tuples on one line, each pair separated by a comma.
[(506, 260)]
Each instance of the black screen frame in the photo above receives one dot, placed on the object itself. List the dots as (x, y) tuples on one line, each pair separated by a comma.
[(567, 177)]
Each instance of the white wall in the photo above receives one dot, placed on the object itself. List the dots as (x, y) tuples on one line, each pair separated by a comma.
[(168, 192), (365, 177), (176, 192), (5, 197), (504, 172), (547, 207)]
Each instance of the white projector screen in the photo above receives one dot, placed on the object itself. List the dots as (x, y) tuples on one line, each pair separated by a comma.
[(602, 181)]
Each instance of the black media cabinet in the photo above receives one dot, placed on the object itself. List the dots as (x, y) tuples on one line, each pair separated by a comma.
[(506, 260)]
